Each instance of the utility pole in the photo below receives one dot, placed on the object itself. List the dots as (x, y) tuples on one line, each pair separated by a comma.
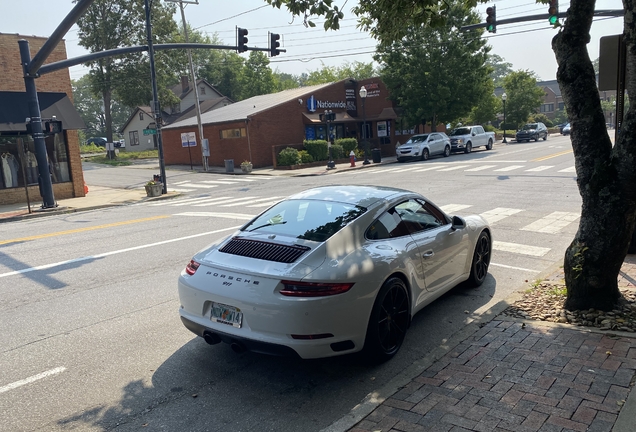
[(156, 111), (197, 107)]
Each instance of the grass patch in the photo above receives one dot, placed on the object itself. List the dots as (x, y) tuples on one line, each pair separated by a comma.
[(91, 148), (558, 291)]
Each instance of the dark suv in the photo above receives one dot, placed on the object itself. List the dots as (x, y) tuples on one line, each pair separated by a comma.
[(532, 131)]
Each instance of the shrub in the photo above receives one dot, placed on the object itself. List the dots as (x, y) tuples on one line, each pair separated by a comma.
[(317, 149), (347, 144), (540, 117), (489, 128), (305, 157), (289, 156), (336, 151)]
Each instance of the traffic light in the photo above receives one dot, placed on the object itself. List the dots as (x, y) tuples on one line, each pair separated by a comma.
[(274, 44), (553, 12), (242, 39), (491, 19)]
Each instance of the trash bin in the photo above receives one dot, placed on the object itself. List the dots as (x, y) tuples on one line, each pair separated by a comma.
[(229, 165), (376, 155)]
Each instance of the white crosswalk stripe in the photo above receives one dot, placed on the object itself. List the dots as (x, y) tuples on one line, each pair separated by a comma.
[(520, 249), (219, 182), (207, 204), (480, 168), (540, 168), (183, 201), (252, 201), (569, 170), (264, 204), (452, 208), (552, 223), (220, 215), (509, 168), (453, 168), (430, 168), (198, 185), (498, 214)]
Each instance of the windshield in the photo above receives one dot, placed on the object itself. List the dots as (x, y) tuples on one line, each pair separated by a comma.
[(460, 131), (417, 139), (305, 219), (530, 126)]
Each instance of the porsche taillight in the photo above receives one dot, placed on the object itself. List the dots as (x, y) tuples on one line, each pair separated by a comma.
[(192, 267), (314, 289)]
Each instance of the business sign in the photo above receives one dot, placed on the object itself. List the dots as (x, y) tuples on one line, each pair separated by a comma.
[(188, 139), (150, 131), (351, 98), (313, 104)]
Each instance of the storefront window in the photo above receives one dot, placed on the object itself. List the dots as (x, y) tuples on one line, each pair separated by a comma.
[(233, 133), (18, 168)]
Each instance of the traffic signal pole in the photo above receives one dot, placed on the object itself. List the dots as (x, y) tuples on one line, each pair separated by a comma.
[(539, 17)]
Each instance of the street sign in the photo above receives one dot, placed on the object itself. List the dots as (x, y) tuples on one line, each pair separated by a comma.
[(188, 139), (150, 131)]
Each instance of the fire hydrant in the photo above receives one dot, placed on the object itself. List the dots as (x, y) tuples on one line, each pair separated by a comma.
[(352, 158)]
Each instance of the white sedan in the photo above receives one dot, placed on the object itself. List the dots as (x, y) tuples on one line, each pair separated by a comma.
[(329, 271)]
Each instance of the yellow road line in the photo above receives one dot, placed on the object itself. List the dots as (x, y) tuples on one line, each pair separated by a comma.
[(78, 230), (551, 156)]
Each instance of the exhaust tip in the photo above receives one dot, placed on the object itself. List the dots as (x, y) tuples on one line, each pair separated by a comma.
[(237, 347), (211, 338)]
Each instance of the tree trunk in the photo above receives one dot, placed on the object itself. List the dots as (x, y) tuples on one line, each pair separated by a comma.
[(434, 123), (606, 175)]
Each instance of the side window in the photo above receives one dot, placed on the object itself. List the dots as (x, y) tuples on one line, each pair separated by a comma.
[(479, 130), (417, 217), (388, 225)]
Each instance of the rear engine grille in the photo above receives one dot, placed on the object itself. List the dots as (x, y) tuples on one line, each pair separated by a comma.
[(264, 250)]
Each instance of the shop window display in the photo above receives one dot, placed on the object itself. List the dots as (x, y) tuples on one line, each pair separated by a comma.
[(18, 168)]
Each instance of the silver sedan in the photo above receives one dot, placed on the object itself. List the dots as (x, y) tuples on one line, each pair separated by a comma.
[(329, 271)]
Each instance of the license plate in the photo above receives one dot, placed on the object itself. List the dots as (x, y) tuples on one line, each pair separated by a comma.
[(225, 314)]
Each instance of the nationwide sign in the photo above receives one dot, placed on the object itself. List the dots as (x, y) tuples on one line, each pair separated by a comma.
[(313, 104)]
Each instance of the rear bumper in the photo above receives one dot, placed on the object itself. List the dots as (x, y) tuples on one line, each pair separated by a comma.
[(249, 344)]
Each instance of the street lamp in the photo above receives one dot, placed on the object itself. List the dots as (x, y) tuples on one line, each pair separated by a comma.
[(503, 98), (363, 96)]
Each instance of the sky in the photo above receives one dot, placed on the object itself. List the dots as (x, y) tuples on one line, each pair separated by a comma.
[(526, 45)]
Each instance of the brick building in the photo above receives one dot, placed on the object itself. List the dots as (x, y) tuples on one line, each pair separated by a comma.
[(18, 168), (256, 129)]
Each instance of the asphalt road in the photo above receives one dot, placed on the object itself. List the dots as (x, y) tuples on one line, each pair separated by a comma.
[(90, 337)]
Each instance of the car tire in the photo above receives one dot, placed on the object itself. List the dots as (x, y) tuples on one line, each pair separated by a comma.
[(468, 148), (489, 146), (447, 151), (389, 320), (545, 138), (425, 154), (481, 260), (536, 138)]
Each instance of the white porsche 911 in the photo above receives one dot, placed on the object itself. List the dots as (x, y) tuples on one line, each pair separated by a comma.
[(329, 271)]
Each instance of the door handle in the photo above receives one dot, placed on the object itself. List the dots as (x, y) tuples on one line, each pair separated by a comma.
[(428, 254)]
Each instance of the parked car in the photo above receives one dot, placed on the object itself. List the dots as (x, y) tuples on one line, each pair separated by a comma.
[(466, 138), (423, 146), (532, 131), (98, 141), (120, 144), (566, 129), (561, 126), (330, 271)]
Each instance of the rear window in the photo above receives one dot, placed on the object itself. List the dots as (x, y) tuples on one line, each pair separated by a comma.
[(530, 126), (305, 219)]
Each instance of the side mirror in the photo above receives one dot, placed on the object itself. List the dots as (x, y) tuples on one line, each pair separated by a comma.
[(458, 223)]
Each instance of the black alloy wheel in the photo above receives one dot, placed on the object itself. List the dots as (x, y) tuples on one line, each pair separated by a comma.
[(481, 260), (425, 154), (388, 322), (447, 151)]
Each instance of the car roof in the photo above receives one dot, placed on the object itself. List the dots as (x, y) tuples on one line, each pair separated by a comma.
[(357, 195)]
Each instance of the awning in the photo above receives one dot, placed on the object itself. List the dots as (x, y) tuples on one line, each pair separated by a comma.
[(14, 110), (341, 117)]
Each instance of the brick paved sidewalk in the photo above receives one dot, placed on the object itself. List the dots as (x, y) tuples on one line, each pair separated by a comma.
[(513, 376)]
